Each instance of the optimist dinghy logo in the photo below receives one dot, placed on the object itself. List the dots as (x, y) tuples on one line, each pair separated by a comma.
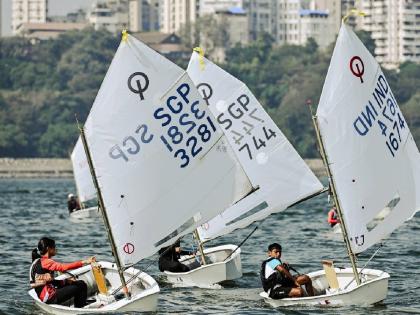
[(206, 91), (357, 67), (128, 248), (138, 83)]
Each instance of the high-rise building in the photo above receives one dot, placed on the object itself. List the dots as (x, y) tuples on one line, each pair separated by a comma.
[(213, 6), (262, 17), (175, 14), (236, 23), (143, 15), (294, 21), (316, 24), (394, 26), (234, 30), (288, 22), (28, 11), (111, 15), (333, 8)]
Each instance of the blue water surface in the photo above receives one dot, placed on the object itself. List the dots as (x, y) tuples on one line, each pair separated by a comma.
[(32, 208)]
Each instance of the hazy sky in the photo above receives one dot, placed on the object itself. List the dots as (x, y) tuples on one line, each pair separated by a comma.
[(55, 7)]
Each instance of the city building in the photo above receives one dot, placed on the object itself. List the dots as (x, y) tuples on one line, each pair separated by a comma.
[(346, 7), (211, 6), (288, 22), (43, 31), (334, 9), (28, 11), (294, 21), (176, 14), (316, 24), (168, 45), (262, 17), (143, 15), (235, 20), (78, 16), (394, 26), (233, 24), (111, 15)]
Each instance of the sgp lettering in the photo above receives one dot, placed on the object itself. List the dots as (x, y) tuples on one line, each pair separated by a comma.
[(187, 123), (236, 110), (175, 104), (131, 144)]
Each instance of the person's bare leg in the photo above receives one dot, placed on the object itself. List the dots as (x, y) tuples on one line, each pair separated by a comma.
[(305, 280), (296, 292)]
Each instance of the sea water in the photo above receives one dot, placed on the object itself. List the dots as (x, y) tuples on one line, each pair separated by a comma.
[(33, 208)]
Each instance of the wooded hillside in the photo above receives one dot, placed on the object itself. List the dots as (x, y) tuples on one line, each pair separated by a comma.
[(43, 86)]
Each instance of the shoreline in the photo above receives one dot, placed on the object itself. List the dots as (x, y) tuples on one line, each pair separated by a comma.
[(35, 168), (62, 168)]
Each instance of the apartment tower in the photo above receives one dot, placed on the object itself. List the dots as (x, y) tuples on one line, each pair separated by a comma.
[(28, 11)]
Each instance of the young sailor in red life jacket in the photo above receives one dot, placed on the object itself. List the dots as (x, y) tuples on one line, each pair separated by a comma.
[(332, 217), (41, 276)]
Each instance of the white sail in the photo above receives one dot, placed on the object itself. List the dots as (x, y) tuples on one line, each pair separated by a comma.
[(163, 165), (372, 155), (266, 155), (84, 184)]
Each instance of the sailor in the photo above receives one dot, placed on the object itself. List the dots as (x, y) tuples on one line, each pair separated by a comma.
[(277, 280), (169, 258), (72, 203), (332, 217), (41, 276)]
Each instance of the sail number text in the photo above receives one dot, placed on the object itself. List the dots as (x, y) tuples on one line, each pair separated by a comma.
[(131, 145), (243, 122), (383, 112), (186, 123)]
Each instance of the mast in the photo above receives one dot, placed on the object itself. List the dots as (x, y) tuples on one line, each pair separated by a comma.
[(334, 193), (200, 246), (103, 212)]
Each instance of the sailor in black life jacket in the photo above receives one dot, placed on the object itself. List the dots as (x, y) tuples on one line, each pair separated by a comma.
[(73, 203), (169, 259), (277, 280)]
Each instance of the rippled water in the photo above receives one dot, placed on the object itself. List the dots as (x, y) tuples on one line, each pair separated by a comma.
[(35, 208)]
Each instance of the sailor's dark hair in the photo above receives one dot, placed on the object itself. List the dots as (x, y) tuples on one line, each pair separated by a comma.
[(43, 245), (274, 246)]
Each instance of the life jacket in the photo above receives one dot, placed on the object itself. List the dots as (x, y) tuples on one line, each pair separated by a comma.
[(332, 217), (274, 279), (45, 292)]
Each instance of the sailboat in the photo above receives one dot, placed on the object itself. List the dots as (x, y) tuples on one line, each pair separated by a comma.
[(84, 185), (336, 229), (269, 160), (153, 151), (373, 165)]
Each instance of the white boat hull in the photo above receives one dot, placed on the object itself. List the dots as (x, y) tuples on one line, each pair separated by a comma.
[(374, 288), (144, 292), (215, 271), (336, 228), (92, 212)]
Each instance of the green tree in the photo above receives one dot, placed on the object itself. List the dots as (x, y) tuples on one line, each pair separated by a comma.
[(44, 85)]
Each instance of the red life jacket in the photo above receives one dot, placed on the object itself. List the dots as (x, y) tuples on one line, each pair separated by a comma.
[(332, 217), (45, 265), (46, 292)]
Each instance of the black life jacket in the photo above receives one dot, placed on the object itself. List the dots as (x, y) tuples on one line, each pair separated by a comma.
[(274, 279), (167, 254)]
